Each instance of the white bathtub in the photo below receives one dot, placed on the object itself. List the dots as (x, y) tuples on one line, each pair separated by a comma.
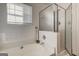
[(29, 50)]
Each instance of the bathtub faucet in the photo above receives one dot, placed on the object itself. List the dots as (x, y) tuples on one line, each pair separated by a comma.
[(21, 47)]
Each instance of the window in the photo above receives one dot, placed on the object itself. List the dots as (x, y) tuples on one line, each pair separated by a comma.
[(17, 14)]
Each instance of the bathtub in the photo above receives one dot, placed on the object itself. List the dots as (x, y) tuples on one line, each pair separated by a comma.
[(29, 50), (46, 47)]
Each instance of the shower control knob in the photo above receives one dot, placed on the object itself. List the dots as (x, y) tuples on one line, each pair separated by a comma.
[(21, 47), (44, 37)]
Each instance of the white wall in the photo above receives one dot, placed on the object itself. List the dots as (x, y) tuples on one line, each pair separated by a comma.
[(14, 35), (75, 28)]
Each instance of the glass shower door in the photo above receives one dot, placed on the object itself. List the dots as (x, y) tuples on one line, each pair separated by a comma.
[(48, 19), (69, 29)]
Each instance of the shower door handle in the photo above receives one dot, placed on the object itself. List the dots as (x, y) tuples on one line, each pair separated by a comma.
[(54, 21)]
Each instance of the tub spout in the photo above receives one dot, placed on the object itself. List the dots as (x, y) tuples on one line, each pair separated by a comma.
[(21, 47)]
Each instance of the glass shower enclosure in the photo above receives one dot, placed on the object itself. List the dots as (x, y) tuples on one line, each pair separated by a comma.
[(49, 22), (68, 29)]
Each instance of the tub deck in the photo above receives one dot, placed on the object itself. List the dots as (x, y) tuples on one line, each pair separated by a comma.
[(29, 50)]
